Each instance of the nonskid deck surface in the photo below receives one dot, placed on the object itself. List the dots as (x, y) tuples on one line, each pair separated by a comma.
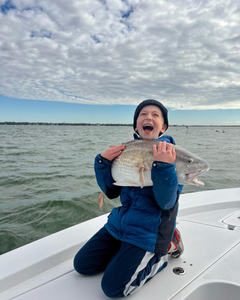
[(210, 229)]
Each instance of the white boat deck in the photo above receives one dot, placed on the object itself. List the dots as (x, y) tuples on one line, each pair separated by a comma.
[(209, 223)]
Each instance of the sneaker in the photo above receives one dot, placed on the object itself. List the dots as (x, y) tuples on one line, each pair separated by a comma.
[(176, 247)]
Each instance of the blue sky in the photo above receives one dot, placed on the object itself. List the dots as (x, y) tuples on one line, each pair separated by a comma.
[(19, 110), (80, 61)]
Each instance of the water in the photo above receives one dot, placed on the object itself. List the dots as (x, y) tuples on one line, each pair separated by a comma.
[(47, 181)]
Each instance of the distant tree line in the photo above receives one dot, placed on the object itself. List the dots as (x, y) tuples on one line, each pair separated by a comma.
[(99, 124), (62, 124)]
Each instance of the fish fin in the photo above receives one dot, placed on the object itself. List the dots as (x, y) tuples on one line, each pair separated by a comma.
[(101, 200), (121, 183), (141, 177)]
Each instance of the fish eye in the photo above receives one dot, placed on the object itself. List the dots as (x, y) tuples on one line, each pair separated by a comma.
[(190, 161)]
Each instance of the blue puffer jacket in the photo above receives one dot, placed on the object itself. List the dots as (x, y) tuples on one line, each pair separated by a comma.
[(147, 216)]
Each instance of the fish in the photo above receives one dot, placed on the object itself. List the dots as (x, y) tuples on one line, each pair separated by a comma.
[(133, 166)]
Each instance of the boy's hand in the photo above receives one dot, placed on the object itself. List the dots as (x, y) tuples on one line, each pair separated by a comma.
[(113, 152), (163, 153)]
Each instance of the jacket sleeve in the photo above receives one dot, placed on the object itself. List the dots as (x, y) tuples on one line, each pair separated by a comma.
[(102, 168), (165, 182)]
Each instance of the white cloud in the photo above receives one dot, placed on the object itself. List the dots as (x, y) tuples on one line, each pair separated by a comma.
[(184, 53)]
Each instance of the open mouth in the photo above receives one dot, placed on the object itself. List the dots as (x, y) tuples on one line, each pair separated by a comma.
[(194, 174), (193, 177), (147, 128)]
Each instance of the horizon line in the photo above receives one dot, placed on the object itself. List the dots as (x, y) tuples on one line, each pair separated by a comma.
[(108, 124)]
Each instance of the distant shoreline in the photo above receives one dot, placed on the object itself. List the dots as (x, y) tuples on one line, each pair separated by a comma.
[(100, 124)]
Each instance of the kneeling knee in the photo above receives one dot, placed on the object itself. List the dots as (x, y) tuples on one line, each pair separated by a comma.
[(83, 267), (79, 267), (110, 289)]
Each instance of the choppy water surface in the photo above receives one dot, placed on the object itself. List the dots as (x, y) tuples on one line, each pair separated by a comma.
[(47, 181)]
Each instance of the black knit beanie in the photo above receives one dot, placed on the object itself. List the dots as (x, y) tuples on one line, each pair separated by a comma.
[(150, 102)]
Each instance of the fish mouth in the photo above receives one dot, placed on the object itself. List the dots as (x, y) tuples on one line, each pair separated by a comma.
[(192, 177)]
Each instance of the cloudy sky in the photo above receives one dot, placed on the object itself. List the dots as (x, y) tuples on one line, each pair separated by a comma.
[(95, 60)]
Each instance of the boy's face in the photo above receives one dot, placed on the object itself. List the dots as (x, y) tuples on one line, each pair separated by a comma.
[(150, 122)]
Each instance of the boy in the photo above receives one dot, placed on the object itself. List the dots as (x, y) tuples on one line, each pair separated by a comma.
[(133, 245)]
